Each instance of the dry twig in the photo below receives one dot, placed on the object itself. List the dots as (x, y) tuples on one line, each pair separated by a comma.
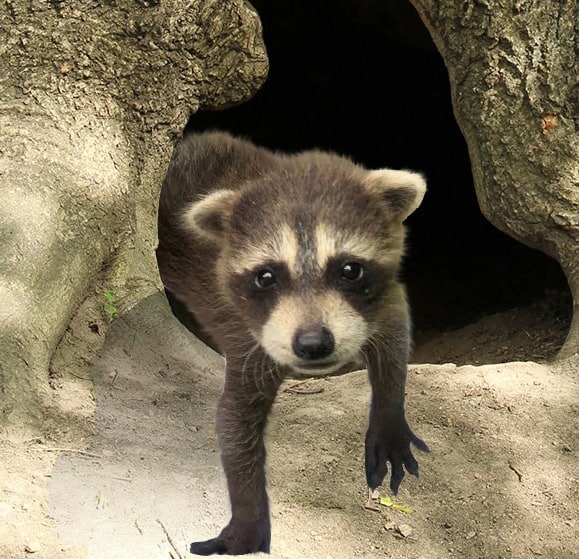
[(302, 387), (61, 449), (176, 553)]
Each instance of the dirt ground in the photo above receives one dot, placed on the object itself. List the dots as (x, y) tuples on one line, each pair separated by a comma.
[(130, 467)]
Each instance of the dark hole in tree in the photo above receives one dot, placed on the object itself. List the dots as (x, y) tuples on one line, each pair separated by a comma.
[(363, 78)]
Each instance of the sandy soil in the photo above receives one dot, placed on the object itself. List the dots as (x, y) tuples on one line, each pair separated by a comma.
[(131, 467)]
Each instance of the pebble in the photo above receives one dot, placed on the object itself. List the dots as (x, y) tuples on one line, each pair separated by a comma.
[(404, 530), (33, 547)]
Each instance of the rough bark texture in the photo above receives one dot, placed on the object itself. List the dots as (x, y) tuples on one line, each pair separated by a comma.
[(92, 98), (512, 68)]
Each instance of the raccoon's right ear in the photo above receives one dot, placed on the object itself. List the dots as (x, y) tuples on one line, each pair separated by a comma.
[(209, 216)]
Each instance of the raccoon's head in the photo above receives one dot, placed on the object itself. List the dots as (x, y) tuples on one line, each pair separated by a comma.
[(309, 254)]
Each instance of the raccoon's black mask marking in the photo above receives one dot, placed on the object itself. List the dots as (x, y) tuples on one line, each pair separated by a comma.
[(364, 294), (256, 302)]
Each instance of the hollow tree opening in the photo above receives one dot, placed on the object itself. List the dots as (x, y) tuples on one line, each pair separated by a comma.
[(365, 79)]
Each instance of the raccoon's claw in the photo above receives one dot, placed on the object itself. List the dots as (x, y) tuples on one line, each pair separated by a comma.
[(388, 440), (235, 540)]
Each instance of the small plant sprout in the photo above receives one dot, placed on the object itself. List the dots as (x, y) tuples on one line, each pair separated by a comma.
[(108, 305)]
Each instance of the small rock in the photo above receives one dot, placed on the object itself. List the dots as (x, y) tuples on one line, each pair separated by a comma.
[(404, 530), (33, 547), (471, 535), (390, 526)]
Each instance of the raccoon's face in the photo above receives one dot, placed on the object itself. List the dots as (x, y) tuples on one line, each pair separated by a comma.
[(307, 311), (308, 257)]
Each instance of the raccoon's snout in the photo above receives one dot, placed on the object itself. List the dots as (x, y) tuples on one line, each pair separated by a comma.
[(313, 344), (315, 334)]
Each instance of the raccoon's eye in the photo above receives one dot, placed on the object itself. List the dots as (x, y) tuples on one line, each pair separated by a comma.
[(264, 278), (352, 271)]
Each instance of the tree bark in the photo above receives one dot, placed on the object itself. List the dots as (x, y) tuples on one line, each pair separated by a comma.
[(512, 66), (92, 99)]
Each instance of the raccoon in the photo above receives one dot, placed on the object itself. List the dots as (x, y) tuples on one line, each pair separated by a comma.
[(288, 264)]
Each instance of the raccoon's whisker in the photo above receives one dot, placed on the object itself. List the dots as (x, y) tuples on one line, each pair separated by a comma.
[(275, 372), (251, 352), (268, 368), (378, 344), (256, 371)]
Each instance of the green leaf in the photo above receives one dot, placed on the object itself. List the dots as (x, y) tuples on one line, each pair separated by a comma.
[(389, 502), (110, 296), (110, 309)]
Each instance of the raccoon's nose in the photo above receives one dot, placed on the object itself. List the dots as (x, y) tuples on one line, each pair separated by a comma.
[(313, 344)]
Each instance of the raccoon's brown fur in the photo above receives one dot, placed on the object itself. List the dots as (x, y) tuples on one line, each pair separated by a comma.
[(288, 263)]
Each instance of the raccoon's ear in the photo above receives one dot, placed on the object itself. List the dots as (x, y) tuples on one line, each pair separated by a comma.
[(210, 215), (401, 190)]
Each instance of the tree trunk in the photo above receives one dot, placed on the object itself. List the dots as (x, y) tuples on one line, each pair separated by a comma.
[(512, 69), (92, 99)]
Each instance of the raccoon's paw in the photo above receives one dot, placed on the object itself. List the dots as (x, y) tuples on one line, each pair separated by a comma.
[(388, 440), (236, 539)]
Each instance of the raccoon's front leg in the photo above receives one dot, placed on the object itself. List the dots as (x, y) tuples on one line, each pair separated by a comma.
[(241, 419), (389, 436)]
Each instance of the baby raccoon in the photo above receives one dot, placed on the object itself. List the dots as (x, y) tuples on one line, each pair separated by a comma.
[(288, 263)]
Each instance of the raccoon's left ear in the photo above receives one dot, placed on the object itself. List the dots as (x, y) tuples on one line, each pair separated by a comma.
[(401, 190), (209, 216)]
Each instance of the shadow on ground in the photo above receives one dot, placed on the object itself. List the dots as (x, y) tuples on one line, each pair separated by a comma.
[(500, 481)]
